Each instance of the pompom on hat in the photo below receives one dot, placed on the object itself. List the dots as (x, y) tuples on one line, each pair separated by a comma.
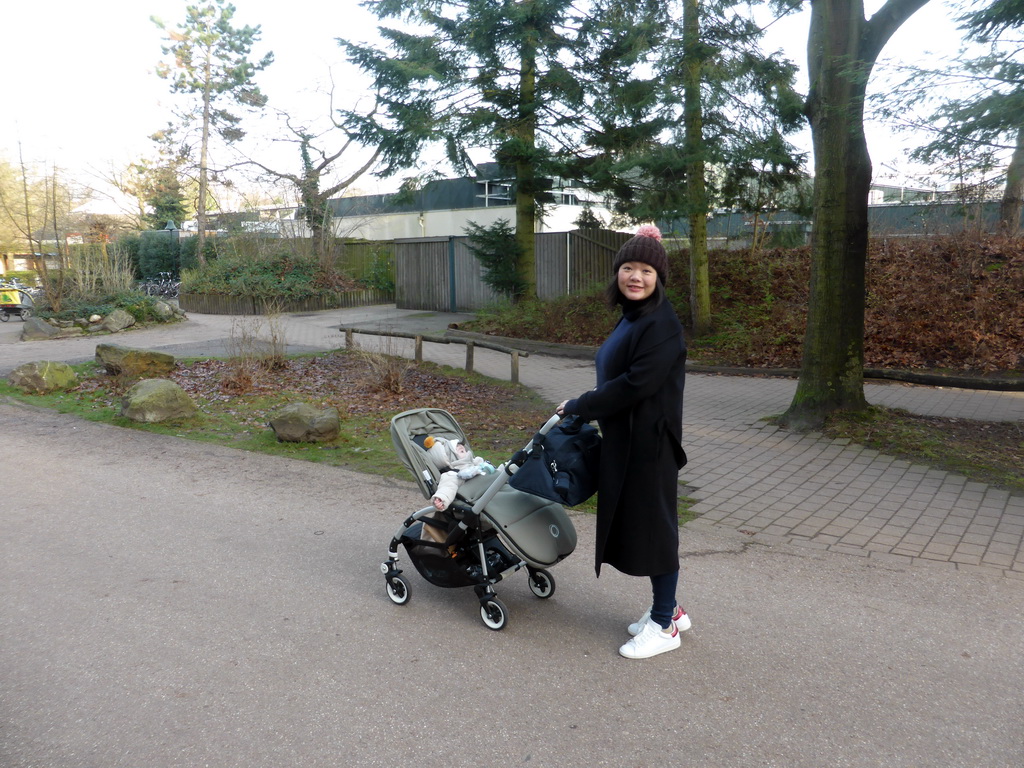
[(645, 247), (441, 451)]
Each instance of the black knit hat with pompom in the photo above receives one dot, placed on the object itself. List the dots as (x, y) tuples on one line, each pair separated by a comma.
[(645, 247)]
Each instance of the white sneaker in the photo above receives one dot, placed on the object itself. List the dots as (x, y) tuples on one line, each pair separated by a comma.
[(680, 619), (651, 641)]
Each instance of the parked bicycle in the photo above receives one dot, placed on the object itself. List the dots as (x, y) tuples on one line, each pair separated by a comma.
[(164, 285)]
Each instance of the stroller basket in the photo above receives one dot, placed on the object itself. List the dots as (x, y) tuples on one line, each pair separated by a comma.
[(490, 531)]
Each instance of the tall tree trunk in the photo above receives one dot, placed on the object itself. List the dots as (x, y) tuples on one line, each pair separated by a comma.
[(54, 297), (60, 245), (696, 192), (319, 219), (315, 220), (525, 139), (315, 213), (842, 48), (1012, 204), (204, 165)]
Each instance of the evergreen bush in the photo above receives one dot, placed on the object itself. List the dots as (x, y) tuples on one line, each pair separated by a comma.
[(138, 305), (158, 252), (499, 253), (381, 272), (129, 246), (277, 276)]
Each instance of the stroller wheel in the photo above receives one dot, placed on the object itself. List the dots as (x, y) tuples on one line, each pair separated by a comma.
[(493, 613), (398, 589), (542, 584)]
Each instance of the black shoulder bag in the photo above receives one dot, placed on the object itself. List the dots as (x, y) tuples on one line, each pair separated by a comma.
[(562, 465)]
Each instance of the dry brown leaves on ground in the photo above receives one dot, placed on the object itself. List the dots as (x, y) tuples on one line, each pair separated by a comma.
[(343, 380), (948, 303)]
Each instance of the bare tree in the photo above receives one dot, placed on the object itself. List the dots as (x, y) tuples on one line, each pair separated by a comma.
[(24, 205), (35, 207), (316, 164)]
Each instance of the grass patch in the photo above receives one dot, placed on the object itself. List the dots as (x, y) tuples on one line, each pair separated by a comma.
[(984, 452), (685, 512)]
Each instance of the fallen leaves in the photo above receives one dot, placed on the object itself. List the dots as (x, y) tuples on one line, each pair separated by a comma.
[(342, 380), (950, 303)]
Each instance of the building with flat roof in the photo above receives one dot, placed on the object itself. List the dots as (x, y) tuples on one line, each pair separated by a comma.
[(445, 207)]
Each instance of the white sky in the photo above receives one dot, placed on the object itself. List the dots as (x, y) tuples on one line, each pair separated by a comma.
[(79, 89)]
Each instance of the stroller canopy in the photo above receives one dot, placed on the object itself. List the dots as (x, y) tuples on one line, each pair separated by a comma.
[(407, 432)]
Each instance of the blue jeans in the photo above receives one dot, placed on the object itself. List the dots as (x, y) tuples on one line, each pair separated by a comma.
[(664, 603)]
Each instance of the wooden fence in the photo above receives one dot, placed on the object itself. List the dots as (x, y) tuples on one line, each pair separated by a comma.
[(440, 274), (357, 259), (212, 304), (418, 339)]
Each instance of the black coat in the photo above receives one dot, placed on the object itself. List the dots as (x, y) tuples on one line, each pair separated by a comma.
[(639, 409)]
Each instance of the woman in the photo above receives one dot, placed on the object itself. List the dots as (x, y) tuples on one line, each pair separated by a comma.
[(638, 403)]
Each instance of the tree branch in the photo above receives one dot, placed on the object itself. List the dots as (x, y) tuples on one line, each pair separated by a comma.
[(880, 27)]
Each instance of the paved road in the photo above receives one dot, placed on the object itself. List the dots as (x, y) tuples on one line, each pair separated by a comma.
[(165, 603)]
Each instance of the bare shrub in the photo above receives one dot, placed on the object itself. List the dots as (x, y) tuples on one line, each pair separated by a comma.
[(239, 379), (252, 352), (99, 269), (386, 367), (243, 355), (276, 342)]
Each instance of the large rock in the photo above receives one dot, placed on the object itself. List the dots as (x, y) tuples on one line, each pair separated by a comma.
[(126, 361), (302, 423), (35, 329), (117, 320), (153, 400), (164, 312), (42, 377)]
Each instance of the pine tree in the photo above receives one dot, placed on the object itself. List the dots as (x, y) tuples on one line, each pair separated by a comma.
[(588, 91), (978, 137), (211, 63), (501, 74), (692, 113)]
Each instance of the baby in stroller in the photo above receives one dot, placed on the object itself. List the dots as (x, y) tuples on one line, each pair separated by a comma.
[(457, 464)]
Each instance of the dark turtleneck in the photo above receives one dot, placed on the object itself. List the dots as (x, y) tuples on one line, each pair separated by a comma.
[(631, 309)]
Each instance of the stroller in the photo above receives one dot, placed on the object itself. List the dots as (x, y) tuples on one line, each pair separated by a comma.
[(488, 533), (14, 301)]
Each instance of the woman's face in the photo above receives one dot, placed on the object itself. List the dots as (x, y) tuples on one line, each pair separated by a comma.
[(637, 280)]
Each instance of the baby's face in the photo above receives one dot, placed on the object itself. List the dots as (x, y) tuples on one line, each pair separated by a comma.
[(461, 451)]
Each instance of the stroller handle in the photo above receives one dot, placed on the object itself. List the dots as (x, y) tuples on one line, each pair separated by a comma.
[(520, 455), (549, 424)]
